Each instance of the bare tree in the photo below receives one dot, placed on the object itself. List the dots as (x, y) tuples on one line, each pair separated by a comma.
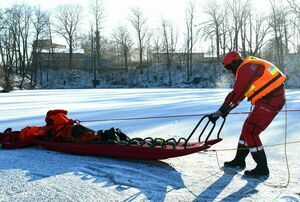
[(257, 33), (212, 27), (294, 9), (157, 45), (18, 29), (138, 21), (7, 43), (122, 37), (226, 42), (2, 28), (148, 48), (189, 21), (5, 70), (10, 44), (68, 19), (90, 49), (279, 25), (169, 45), (98, 16), (237, 8), (244, 18), (40, 22)]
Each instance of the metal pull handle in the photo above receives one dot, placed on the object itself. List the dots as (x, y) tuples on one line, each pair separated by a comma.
[(204, 129)]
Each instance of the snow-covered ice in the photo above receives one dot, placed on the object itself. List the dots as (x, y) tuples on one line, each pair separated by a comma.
[(35, 174)]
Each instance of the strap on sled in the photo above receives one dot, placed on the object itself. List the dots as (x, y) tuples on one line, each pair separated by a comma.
[(152, 142), (204, 129)]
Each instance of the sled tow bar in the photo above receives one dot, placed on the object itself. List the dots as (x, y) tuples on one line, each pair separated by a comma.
[(204, 129)]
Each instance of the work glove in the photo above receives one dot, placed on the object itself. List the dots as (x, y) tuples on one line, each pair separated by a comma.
[(222, 111), (213, 117)]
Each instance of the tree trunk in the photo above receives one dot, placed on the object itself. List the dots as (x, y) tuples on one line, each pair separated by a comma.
[(70, 54)]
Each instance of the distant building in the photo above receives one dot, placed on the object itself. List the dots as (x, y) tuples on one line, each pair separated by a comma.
[(61, 60), (46, 44), (178, 57), (50, 55)]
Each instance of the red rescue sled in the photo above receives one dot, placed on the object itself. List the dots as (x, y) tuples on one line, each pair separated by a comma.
[(128, 151), (144, 152)]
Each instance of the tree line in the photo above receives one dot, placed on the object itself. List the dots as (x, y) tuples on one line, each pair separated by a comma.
[(229, 25)]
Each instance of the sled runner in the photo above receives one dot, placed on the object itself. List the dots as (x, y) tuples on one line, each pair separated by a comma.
[(137, 148)]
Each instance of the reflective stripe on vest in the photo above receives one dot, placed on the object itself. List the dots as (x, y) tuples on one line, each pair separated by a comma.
[(271, 79)]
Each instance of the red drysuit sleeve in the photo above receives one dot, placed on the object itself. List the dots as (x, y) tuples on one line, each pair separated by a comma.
[(247, 74)]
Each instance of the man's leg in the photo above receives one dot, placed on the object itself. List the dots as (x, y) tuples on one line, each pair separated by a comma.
[(241, 154), (258, 120)]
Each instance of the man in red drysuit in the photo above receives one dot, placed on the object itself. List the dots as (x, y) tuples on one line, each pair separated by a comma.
[(59, 128), (263, 84)]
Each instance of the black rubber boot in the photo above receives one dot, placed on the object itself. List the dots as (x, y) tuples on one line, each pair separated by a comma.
[(261, 168), (239, 159)]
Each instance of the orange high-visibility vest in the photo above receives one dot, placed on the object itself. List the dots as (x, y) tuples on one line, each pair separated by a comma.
[(271, 79)]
